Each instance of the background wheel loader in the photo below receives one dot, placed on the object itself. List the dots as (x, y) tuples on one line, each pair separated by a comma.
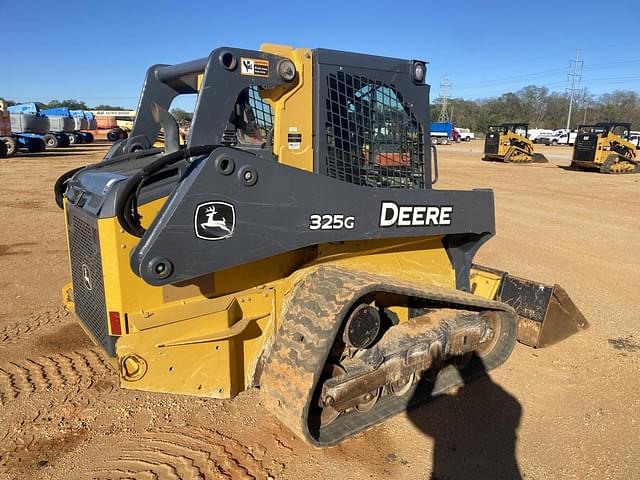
[(295, 244), (509, 143), (605, 147)]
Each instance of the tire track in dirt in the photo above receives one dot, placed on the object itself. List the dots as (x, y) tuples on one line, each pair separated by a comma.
[(34, 323), (46, 427), (28, 376), (183, 453)]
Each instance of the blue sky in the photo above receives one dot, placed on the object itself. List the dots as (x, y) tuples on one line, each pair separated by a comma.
[(99, 51)]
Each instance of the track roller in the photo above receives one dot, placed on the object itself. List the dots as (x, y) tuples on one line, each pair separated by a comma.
[(326, 389)]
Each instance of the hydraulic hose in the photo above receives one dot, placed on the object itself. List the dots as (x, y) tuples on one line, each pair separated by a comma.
[(126, 203), (59, 187)]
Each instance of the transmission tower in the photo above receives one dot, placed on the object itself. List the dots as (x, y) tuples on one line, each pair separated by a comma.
[(574, 78), (445, 90)]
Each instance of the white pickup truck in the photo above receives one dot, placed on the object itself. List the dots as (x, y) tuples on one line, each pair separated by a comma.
[(466, 135), (534, 133), (559, 137)]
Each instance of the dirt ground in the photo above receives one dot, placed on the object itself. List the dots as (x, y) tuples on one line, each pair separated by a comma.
[(567, 411)]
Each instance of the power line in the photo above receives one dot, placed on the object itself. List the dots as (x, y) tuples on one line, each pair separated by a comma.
[(574, 76), (508, 79)]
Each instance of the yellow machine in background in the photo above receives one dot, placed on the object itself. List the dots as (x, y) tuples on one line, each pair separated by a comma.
[(605, 147), (509, 143), (291, 246)]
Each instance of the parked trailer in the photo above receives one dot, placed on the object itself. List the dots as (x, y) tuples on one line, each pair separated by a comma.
[(118, 122), (110, 123), (63, 121), (87, 121), (30, 130)]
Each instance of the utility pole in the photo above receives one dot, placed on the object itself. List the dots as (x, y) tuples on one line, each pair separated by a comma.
[(574, 76), (586, 105), (445, 87)]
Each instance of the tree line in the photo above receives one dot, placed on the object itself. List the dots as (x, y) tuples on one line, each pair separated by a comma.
[(534, 105), (541, 108)]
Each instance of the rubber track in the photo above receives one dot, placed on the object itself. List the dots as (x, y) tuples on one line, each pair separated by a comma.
[(28, 376), (511, 151), (187, 453), (610, 162), (310, 320)]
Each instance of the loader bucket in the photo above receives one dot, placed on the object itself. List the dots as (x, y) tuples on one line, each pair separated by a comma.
[(540, 158), (546, 313)]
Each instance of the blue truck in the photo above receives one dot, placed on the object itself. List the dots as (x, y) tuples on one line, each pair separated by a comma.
[(30, 130), (443, 132)]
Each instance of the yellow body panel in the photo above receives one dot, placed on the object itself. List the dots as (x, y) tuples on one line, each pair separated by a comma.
[(507, 139), (293, 109), (604, 148), (484, 284)]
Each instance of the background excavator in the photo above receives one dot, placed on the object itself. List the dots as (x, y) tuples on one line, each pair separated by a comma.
[(295, 243), (606, 147), (509, 143)]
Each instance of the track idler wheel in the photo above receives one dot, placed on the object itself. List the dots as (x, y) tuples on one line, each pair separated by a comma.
[(422, 344)]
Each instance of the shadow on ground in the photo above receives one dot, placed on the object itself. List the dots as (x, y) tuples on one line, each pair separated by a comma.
[(475, 431)]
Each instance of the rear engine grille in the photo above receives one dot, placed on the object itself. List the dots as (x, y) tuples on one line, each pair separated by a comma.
[(86, 273), (491, 143), (585, 149)]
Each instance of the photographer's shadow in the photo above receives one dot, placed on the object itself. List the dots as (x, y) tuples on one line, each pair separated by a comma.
[(474, 431)]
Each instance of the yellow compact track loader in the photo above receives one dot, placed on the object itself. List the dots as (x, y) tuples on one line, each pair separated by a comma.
[(605, 147), (509, 143), (295, 244)]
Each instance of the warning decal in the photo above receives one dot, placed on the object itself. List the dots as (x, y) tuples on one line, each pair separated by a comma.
[(254, 67), (294, 140)]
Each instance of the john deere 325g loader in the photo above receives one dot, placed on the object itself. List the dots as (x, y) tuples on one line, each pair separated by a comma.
[(295, 243)]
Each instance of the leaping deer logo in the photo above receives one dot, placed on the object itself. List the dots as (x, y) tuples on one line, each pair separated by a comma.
[(214, 220), (211, 222)]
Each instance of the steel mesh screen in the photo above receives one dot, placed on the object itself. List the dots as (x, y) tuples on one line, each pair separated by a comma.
[(373, 138), (261, 111), (88, 286)]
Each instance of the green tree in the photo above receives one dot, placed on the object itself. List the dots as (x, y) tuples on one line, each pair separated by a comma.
[(70, 103), (181, 115), (107, 107)]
